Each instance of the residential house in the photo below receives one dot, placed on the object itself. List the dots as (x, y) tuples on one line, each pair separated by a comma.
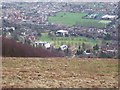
[(43, 44)]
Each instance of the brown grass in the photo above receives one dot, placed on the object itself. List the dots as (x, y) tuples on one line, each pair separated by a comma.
[(59, 72)]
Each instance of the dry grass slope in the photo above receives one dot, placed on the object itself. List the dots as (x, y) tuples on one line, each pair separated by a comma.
[(59, 72)]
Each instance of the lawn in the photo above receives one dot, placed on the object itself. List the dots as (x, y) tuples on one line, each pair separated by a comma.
[(59, 73), (76, 41), (70, 19)]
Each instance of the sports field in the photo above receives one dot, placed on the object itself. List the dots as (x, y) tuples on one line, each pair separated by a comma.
[(73, 41), (70, 19)]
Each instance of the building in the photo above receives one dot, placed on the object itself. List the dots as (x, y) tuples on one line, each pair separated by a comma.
[(44, 44), (61, 33), (63, 47), (109, 17)]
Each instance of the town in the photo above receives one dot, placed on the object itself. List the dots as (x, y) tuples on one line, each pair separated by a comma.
[(74, 29)]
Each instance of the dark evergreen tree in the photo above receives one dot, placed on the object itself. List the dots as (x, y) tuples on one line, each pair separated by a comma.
[(96, 47), (108, 37), (83, 46)]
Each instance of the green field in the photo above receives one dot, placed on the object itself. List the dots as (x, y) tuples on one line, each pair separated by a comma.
[(74, 41), (70, 19)]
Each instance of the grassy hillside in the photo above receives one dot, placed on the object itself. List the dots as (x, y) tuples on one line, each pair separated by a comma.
[(60, 72), (70, 19)]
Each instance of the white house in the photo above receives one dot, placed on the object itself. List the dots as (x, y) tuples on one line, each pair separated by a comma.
[(63, 47), (61, 32), (86, 53), (8, 35), (45, 44)]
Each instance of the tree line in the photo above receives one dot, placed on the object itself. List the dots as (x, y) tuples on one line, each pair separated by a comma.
[(11, 48)]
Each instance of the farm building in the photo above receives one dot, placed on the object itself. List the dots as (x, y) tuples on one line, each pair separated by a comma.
[(61, 33), (109, 17)]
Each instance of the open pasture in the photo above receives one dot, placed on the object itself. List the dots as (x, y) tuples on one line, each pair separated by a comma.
[(70, 19), (59, 73)]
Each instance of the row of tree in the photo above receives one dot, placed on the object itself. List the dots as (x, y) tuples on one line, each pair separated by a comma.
[(83, 48)]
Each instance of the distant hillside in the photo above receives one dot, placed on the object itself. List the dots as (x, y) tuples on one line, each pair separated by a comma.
[(10, 48), (57, 1)]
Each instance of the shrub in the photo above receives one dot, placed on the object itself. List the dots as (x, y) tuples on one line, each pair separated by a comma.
[(10, 48)]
